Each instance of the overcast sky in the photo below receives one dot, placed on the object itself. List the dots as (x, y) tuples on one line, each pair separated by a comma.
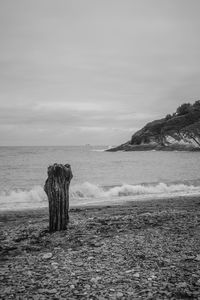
[(94, 71)]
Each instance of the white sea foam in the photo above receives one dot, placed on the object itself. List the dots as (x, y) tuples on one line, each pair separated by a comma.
[(88, 190), (19, 199), (90, 193)]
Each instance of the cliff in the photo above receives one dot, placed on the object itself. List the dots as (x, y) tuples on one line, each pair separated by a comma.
[(180, 131)]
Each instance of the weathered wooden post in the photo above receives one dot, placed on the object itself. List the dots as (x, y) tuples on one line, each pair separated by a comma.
[(57, 190)]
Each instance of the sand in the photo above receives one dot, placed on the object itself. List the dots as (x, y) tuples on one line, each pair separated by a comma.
[(138, 250)]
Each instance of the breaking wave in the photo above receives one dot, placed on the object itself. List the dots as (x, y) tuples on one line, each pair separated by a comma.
[(88, 193), (88, 190), (22, 199)]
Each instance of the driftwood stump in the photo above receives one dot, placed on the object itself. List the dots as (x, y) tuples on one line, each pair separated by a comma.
[(57, 190)]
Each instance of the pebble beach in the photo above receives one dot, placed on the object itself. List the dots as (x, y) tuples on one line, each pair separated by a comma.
[(138, 250)]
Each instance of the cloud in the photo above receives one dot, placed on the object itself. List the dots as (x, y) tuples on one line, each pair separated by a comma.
[(135, 116), (103, 67), (78, 106), (92, 129)]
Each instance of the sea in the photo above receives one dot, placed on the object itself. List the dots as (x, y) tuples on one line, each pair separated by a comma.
[(99, 177)]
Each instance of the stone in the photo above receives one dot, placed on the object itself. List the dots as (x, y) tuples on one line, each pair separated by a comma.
[(51, 291), (130, 293), (41, 291), (35, 297), (47, 291), (167, 260), (95, 279), (190, 257), (119, 295), (137, 275), (90, 257), (21, 289), (198, 257), (29, 273), (87, 286), (129, 271), (198, 282), (47, 255), (182, 285), (149, 295), (7, 290), (54, 265), (79, 264)]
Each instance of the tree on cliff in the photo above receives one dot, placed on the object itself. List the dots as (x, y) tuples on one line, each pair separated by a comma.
[(196, 105), (168, 117), (192, 132), (184, 109)]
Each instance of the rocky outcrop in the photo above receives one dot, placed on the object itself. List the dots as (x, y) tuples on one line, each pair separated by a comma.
[(181, 131)]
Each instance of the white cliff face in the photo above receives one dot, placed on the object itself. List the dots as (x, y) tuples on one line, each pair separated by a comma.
[(183, 141)]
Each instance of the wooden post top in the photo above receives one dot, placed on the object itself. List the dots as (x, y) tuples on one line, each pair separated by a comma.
[(59, 170)]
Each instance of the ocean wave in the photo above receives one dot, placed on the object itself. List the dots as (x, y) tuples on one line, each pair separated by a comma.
[(91, 193), (17, 199), (88, 190)]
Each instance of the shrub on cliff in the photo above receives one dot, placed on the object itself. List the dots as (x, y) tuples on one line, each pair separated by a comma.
[(184, 109), (168, 117), (196, 105)]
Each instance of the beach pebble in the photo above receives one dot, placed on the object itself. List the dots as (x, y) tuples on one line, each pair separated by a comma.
[(90, 257), (167, 260), (54, 265), (41, 291), (95, 279), (198, 257), (129, 271), (51, 291), (47, 255), (198, 282), (7, 290), (35, 297), (72, 286), (87, 286), (29, 273), (47, 291), (182, 285), (79, 264), (119, 295)]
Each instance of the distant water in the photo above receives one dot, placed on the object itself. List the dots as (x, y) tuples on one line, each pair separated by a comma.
[(98, 176)]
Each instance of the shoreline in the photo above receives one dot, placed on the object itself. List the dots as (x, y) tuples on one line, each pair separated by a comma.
[(100, 204), (153, 147), (135, 250)]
